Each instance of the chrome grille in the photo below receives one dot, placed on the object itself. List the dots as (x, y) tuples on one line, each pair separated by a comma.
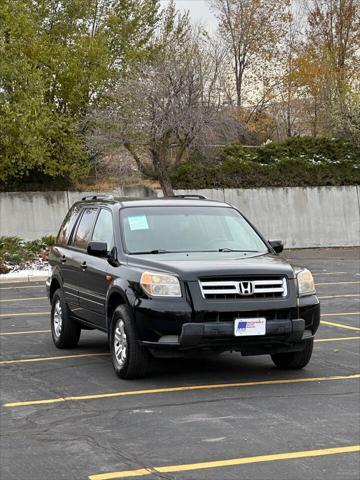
[(243, 288)]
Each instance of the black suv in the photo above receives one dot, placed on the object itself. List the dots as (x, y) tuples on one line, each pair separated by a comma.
[(172, 276)]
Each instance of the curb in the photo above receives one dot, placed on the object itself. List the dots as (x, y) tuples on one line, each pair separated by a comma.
[(25, 278)]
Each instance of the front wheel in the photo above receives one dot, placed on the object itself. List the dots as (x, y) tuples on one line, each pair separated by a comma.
[(65, 332), (129, 358), (294, 360)]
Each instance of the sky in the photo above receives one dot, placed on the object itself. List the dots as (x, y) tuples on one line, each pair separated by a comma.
[(199, 11)]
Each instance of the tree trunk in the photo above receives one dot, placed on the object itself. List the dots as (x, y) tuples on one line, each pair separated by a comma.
[(315, 121), (288, 113), (162, 172), (165, 183), (288, 121), (239, 90)]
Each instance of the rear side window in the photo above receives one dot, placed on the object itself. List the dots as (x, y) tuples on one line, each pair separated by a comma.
[(83, 232), (68, 225), (103, 231)]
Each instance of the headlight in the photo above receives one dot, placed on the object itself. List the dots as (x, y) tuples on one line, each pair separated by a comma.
[(160, 284), (306, 285)]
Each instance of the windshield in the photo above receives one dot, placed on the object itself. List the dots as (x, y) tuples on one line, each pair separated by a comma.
[(187, 229)]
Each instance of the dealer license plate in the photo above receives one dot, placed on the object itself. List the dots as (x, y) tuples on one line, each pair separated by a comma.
[(245, 327)]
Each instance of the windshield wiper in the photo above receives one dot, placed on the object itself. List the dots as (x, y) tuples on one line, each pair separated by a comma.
[(158, 251), (234, 250)]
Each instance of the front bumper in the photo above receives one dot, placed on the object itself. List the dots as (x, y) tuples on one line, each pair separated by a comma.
[(179, 326), (281, 335), (197, 333)]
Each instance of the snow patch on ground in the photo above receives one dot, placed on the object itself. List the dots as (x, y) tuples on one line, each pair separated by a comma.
[(29, 273)]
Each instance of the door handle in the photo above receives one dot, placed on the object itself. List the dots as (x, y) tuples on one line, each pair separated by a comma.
[(63, 259), (84, 266)]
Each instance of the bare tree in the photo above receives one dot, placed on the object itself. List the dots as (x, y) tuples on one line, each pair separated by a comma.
[(165, 105), (327, 66), (251, 30), (346, 118), (287, 108), (334, 34)]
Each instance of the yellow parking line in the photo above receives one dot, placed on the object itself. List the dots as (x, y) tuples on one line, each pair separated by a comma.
[(23, 314), (340, 296), (179, 389), (330, 273), (47, 359), (26, 332), (30, 286), (340, 325), (32, 332), (336, 283), (23, 299), (338, 339), (226, 463)]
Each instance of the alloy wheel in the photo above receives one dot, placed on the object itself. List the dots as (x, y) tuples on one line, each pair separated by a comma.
[(57, 319), (120, 343)]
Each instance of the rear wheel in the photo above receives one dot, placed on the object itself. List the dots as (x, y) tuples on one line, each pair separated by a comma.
[(130, 359), (294, 360), (65, 332)]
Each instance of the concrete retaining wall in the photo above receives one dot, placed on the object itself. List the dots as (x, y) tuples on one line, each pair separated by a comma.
[(302, 217), (31, 215)]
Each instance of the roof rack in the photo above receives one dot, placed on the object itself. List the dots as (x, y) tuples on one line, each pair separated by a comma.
[(98, 197), (201, 197)]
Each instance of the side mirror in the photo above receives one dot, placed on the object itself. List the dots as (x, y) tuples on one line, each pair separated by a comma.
[(113, 257), (277, 245), (97, 249)]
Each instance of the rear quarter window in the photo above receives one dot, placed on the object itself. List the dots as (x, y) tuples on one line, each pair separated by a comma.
[(84, 229), (68, 225)]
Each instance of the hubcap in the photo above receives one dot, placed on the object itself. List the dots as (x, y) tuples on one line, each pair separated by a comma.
[(120, 343), (57, 319)]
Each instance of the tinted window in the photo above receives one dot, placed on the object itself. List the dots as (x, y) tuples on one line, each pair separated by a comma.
[(67, 225), (189, 229), (103, 231), (82, 236)]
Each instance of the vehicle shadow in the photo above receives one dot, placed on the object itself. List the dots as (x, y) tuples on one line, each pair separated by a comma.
[(198, 368)]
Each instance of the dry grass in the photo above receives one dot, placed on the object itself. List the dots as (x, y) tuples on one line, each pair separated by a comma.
[(112, 183)]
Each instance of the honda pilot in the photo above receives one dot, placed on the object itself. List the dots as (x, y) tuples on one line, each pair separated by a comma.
[(176, 276)]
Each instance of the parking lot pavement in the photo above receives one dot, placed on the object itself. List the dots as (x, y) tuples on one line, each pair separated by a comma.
[(65, 415)]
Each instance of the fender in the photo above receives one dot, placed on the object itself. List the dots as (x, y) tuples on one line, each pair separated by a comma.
[(56, 275), (120, 287)]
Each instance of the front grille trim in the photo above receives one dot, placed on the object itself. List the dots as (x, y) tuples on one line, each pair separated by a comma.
[(226, 289)]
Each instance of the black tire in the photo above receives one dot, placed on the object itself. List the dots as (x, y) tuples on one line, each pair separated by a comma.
[(134, 363), (294, 360), (67, 334)]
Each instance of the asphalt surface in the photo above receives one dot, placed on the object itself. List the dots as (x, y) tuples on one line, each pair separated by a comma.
[(305, 423)]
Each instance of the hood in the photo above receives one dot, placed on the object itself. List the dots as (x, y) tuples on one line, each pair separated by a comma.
[(191, 266)]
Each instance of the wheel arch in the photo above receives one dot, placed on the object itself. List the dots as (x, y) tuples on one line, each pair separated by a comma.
[(54, 285), (115, 298)]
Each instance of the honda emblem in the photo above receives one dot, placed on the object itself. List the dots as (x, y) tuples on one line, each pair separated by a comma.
[(246, 288)]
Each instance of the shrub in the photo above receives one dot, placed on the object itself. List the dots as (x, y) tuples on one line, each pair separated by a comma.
[(48, 240), (295, 162), (329, 149), (12, 249), (16, 252)]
